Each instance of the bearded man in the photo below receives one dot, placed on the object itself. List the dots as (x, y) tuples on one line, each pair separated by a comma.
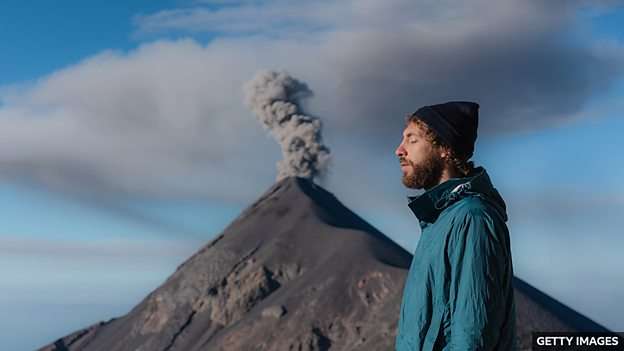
[(458, 294)]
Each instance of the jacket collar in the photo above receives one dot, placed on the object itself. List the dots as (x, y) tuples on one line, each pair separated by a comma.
[(428, 206)]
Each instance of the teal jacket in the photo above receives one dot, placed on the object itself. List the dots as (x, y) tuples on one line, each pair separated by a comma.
[(458, 294)]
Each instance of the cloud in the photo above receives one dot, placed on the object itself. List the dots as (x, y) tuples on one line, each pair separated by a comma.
[(163, 120), (568, 206), (388, 58), (243, 17), (167, 119), (72, 250)]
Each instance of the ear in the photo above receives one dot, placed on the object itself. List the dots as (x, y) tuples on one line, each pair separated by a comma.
[(445, 153)]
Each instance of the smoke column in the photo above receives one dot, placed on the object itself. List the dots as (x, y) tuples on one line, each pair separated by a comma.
[(273, 97)]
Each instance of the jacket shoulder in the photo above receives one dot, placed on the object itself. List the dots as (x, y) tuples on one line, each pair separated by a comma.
[(477, 211), (477, 216), (471, 207)]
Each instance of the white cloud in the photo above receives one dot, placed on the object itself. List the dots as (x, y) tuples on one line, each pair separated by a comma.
[(165, 118)]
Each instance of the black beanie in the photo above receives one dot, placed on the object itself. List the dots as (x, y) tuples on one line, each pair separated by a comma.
[(455, 123)]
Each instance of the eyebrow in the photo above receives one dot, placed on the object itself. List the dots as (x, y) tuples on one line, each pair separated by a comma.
[(410, 134)]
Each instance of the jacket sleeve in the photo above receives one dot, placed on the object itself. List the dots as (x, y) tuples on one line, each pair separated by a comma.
[(476, 261)]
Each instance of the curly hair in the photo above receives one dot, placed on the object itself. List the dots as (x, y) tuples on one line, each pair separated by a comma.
[(461, 164)]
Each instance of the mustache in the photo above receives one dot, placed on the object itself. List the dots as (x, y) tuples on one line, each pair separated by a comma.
[(404, 161)]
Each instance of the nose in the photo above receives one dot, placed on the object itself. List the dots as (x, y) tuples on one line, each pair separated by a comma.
[(400, 150)]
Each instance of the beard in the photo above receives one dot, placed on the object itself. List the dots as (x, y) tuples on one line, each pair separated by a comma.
[(425, 175)]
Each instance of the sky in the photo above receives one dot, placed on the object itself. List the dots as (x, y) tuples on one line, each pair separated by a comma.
[(125, 143)]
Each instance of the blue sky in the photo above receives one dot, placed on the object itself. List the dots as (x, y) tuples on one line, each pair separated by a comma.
[(40, 39), (126, 144)]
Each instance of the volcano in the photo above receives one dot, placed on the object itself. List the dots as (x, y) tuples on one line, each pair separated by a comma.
[(297, 270)]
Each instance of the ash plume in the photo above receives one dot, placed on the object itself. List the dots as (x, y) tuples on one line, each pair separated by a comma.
[(274, 98)]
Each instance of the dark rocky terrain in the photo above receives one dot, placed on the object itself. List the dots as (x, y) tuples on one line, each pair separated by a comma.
[(297, 270)]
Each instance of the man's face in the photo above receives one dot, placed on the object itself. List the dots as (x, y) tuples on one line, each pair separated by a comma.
[(421, 162)]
